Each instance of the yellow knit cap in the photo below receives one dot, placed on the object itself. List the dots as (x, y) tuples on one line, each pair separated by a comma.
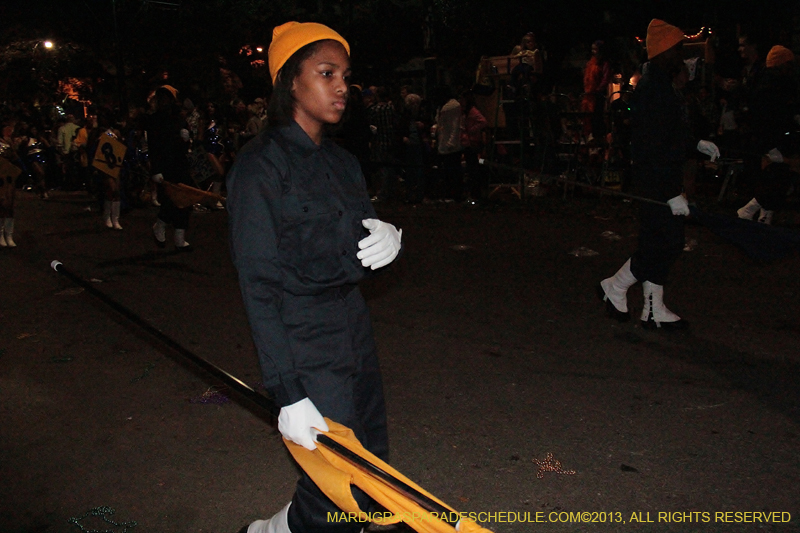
[(778, 55), (661, 37), (290, 37)]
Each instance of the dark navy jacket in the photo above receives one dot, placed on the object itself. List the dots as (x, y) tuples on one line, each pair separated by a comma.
[(661, 137), (295, 222)]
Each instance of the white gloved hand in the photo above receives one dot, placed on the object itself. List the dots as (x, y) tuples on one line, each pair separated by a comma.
[(301, 423), (708, 148), (382, 246), (775, 156), (158, 178), (679, 205)]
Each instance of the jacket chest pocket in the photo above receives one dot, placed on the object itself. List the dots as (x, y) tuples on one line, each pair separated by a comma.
[(309, 241)]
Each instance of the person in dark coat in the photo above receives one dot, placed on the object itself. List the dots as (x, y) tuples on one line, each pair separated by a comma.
[(303, 234), (167, 149), (661, 142), (773, 108)]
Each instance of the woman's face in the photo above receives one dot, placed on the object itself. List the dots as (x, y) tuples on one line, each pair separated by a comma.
[(320, 90)]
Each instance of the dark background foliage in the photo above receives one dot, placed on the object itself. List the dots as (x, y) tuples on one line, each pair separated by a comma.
[(188, 38)]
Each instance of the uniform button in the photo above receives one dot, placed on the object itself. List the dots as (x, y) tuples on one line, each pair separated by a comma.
[(305, 209)]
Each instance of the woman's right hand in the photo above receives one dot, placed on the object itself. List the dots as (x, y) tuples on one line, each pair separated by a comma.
[(301, 422)]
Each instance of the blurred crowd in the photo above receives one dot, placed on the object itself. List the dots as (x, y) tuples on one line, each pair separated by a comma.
[(417, 148)]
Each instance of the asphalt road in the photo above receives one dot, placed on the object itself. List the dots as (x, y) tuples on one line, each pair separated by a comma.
[(495, 353)]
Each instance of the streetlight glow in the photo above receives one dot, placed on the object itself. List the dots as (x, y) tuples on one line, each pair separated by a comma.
[(48, 44)]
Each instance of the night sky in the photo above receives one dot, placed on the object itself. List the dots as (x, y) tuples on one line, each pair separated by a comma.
[(188, 37)]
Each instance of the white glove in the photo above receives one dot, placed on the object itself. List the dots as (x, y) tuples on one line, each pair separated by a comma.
[(708, 148), (679, 205), (158, 178), (775, 156), (301, 423), (382, 246)]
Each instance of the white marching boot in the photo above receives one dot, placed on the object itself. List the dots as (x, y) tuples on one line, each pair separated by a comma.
[(8, 230), (765, 217), (614, 292), (655, 314), (277, 524), (115, 207), (216, 188), (749, 211), (180, 241), (3, 243), (107, 214)]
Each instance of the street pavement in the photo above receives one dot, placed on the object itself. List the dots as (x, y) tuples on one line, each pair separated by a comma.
[(510, 393)]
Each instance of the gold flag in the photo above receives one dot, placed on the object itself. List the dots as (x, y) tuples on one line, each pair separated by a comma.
[(183, 195), (109, 155), (334, 475)]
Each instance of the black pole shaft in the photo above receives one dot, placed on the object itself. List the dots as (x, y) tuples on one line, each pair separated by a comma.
[(232, 381)]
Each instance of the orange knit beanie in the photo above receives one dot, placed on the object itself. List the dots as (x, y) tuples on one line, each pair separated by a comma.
[(661, 37), (290, 37), (778, 55)]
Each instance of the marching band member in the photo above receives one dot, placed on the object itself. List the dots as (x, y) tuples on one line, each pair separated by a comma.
[(303, 233)]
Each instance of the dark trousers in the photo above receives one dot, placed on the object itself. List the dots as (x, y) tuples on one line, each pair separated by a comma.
[(477, 178), (171, 213), (661, 241), (385, 181), (414, 162), (772, 185), (452, 175), (336, 360)]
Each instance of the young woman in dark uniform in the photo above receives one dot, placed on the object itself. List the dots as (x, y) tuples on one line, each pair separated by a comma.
[(303, 233)]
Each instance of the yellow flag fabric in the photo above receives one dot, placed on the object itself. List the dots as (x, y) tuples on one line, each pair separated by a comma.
[(334, 474), (109, 155), (183, 195)]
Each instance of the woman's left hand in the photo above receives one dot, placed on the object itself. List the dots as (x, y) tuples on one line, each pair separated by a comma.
[(382, 246)]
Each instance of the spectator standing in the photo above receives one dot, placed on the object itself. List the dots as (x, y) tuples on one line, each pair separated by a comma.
[(528, 51), (413, 154), (81, 145), (449, 125), (472, 141), (383, 147), (66, 147), (596, 77), (354, 132)]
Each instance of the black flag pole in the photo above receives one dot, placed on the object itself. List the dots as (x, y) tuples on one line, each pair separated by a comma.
[(424, 501), (229, 379)]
